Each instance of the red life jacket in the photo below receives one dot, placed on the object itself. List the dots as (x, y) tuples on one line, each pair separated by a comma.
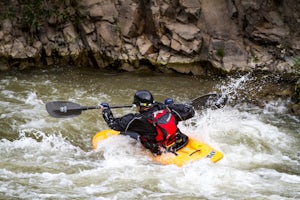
[(165, 125)]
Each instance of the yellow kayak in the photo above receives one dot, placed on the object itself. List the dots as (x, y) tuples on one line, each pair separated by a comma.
[(193, 151)]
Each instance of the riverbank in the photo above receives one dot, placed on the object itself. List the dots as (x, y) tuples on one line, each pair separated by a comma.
[(184, 36)]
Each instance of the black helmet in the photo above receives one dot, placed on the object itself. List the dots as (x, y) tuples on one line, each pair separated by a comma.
[(143, 98)]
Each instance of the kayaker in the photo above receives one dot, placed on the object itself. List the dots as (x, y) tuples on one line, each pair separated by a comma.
[(155, 123)]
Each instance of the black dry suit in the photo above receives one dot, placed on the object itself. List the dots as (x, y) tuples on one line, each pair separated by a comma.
[(142, 123)]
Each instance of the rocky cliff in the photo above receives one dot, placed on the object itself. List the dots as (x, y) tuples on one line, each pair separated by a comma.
[(188, 36)]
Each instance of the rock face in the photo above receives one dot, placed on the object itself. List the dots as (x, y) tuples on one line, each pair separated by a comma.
[(187, 36)]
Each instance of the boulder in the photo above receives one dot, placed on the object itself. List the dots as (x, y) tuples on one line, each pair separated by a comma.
[(18, 49), (70, 34), (104, 11), (186, 31), (145, 46), (108, 33), (128, 13)]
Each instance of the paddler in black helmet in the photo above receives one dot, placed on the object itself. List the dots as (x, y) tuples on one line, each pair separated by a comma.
[(155, 124)]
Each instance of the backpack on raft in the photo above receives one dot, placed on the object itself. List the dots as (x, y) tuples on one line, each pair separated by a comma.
[(166, 127)]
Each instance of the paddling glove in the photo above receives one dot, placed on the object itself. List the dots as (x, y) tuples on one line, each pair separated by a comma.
[(169, 101), (104, 105)]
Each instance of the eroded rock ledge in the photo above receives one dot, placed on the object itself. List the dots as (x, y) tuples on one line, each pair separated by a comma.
[(188, 36)]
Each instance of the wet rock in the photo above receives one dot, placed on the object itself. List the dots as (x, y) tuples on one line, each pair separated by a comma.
[(187, 32), (103, 11), (7, 27), (193, 68), (108, 34), (4, 65), (192, 7), (1, 35), (144, 45), (295, 108), (87, 27), (128, 13), (70, 34), (18, 49), (230, 35), (127, 67)]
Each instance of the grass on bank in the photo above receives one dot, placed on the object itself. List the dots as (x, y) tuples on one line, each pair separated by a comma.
[(32, 14), (297, 71)]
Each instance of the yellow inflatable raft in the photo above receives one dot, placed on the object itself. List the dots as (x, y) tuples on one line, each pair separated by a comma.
[(193, 151)]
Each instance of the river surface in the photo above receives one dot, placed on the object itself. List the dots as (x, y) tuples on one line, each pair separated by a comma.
[(42, 157)]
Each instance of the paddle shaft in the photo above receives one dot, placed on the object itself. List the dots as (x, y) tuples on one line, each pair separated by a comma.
[(65, 109), (98, 107)]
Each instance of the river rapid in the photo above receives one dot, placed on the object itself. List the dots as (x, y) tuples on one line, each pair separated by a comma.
[(42, 157)]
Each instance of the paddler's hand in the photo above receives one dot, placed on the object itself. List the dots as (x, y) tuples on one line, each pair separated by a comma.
[(104, 106), (169, 101)]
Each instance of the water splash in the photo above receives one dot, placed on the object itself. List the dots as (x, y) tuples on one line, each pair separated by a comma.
[(231, 87)]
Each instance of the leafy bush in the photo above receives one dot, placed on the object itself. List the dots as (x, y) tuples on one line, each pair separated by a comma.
[(33, 14), (297, 71), (220, 52)]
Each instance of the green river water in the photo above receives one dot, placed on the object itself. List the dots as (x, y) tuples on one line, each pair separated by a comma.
[(42, 157)]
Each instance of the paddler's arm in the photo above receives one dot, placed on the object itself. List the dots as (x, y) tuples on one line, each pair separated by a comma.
[(108, 118), (118, 124)]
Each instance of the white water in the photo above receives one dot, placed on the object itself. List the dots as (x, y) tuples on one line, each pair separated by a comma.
[(47, 158)]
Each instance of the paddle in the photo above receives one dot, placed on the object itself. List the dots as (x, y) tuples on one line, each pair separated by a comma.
[(65, 109), (212, 100)]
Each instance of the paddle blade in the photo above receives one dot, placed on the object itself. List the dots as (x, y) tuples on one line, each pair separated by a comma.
[(63, 109), (213, 101)]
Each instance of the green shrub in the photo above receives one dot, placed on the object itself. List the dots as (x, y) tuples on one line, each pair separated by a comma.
[(33, 12), (297, 71), (220, 52), (32, 15), (297, 66)]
